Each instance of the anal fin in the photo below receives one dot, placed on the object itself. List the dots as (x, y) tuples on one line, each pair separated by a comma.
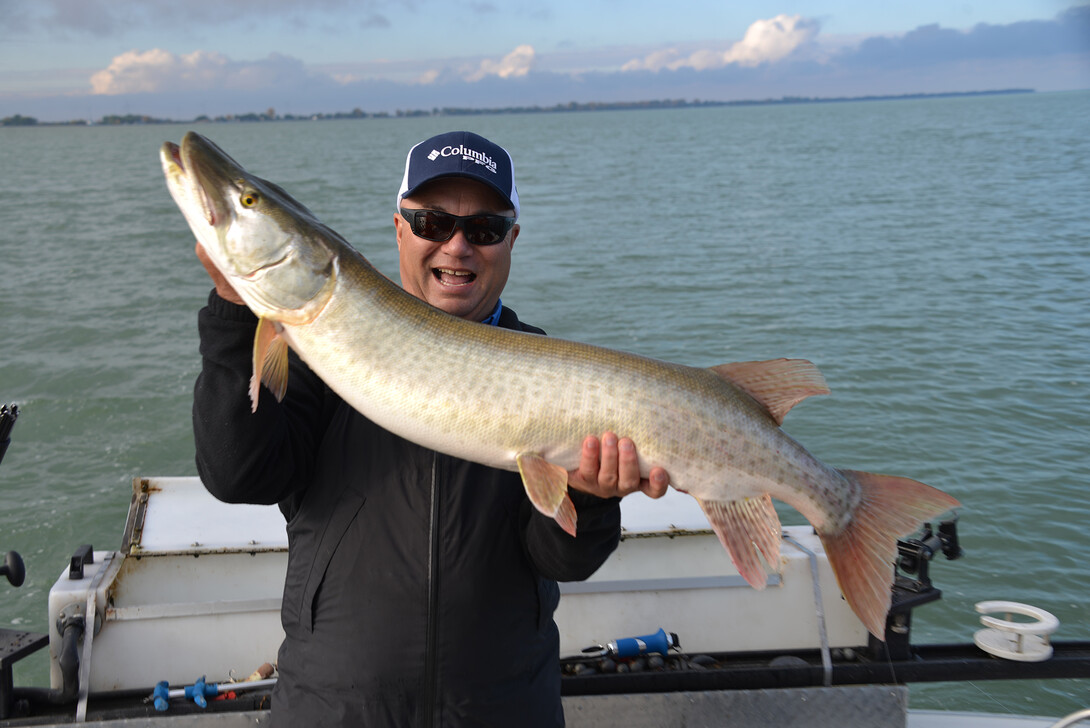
[(744, 527), (547, 486)]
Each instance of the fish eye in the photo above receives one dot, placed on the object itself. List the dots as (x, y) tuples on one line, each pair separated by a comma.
[(249, 199)]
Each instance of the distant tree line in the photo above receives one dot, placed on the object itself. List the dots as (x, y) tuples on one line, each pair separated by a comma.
[(572, 106), (18, 120)]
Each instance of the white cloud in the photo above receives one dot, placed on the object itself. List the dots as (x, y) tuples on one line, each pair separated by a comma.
[(771, 40), (428, 76), (434, 72), (157, 70), (654, 61), (765, 41), (515, 64)]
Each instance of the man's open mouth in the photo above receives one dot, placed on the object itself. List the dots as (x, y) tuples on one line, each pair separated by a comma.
[(452, 277)]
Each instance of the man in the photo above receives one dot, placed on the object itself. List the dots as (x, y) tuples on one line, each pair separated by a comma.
[(420, 587)]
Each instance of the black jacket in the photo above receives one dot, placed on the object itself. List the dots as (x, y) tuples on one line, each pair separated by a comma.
[(420, 587)]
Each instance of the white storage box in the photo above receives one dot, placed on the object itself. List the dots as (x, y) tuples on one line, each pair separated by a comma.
[(195, 590)]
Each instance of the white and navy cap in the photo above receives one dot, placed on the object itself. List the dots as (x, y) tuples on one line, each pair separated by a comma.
[(460, 154)]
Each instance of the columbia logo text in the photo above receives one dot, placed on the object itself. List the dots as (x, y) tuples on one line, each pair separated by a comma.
[(466, 153)]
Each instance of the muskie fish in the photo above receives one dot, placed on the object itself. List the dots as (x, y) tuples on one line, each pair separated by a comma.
[(524, 402)]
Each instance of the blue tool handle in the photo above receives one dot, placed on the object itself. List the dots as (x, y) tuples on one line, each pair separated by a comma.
[(198, 692), (161, 696), (634, 646)]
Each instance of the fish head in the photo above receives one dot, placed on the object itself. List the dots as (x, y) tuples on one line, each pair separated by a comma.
[(271, 248)]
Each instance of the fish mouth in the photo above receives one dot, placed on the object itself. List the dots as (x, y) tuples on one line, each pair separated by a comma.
[(454, 277), (174, 156), (175, 152)]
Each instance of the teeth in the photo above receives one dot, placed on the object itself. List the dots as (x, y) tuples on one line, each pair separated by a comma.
[(449, 272)]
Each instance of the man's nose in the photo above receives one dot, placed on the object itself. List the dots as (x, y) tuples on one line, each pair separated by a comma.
[(457, 244)]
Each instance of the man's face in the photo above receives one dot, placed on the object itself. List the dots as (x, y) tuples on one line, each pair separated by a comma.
[(460, 278)]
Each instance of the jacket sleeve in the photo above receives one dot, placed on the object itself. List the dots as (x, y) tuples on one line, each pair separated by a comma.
[(556, 555), (260, 457)]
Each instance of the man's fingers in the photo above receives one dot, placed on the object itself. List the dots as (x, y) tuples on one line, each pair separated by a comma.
[(588, 460), (656, 485), (628, 467), (607, 469), (610, 467)]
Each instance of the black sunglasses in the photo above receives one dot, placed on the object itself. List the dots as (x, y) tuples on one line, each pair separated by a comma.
[(439, 227)]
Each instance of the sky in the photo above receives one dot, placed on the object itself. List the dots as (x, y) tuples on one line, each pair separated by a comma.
[(64, 60)]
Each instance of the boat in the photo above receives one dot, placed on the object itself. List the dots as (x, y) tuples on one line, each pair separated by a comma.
[(180, 625)]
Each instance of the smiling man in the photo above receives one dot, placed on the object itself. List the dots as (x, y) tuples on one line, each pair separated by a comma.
[(457, 182), (420, 587)]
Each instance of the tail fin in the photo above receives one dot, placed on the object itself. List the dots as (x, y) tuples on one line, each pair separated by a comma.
[(862, 555)]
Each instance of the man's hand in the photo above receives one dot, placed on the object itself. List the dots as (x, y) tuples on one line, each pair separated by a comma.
[(223, 288), (609, 468)]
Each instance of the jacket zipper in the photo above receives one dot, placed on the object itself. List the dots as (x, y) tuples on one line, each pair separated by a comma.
[(431, 674)]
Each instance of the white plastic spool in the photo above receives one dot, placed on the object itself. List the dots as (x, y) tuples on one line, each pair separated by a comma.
[(1010, 640)]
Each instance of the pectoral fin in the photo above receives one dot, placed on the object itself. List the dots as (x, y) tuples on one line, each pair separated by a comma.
[(270, 362), (547, 486), (742, 525)]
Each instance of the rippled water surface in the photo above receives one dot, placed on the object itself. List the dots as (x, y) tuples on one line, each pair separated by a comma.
[(932, 257)]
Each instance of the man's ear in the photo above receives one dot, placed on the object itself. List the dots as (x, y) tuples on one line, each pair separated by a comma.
[(398, 220)]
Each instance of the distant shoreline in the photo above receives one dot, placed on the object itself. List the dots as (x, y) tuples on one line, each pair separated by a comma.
[(271, 115)]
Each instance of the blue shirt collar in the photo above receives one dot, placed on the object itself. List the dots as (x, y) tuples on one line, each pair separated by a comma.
[(494, 317)]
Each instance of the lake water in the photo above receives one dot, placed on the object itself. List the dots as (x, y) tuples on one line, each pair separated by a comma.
[(932, 257)]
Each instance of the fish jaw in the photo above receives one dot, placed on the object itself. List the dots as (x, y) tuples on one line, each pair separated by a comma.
[(189, 197)]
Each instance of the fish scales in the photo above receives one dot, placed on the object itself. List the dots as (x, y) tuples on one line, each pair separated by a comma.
[(478, 385)]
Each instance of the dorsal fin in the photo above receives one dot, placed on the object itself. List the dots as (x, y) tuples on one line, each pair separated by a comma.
[(778, 385)]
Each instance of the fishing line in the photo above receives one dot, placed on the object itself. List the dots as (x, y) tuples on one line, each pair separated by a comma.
[(991, 697)]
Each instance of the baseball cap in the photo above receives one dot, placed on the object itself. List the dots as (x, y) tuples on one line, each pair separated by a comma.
[(460, 154)]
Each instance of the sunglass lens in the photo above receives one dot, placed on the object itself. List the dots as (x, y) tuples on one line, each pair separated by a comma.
[(432, 225), (483, 230)]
